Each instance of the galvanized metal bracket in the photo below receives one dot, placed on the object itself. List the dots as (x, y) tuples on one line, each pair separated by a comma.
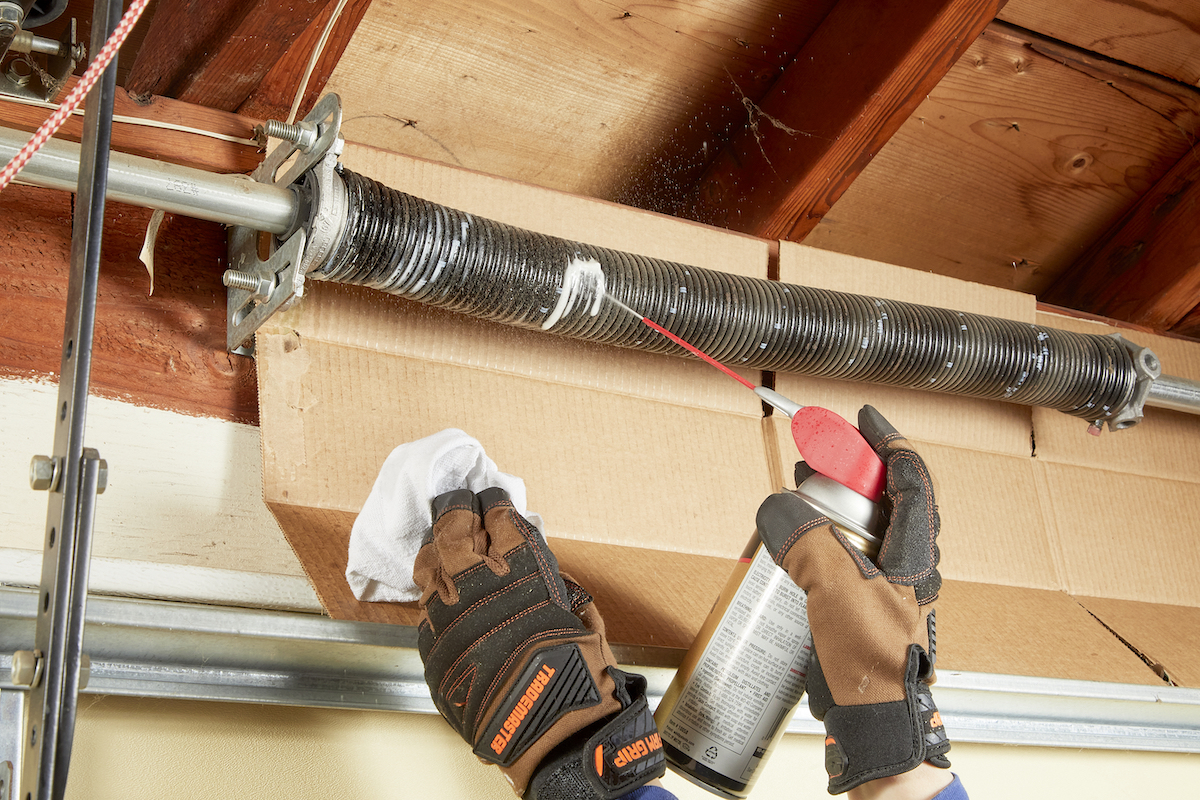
[(1147, 369), (307, 159), (39, 67)]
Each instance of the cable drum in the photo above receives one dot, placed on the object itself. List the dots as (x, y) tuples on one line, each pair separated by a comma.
[(454, 260)]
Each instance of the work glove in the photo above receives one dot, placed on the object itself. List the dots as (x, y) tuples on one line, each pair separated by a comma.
[(873, 627), (516, 660)]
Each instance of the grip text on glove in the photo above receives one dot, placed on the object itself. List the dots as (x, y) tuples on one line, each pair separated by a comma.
[(639, 749)]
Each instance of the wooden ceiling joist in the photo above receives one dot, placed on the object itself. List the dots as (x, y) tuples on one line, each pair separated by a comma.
[(850, 87), (272, 98), (1146, 268), (216, 53), (162, 129)]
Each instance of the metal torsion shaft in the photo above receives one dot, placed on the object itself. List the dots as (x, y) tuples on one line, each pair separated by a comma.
[(451, 259)]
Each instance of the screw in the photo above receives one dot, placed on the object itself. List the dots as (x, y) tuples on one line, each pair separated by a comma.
[(44, 472), (302, 134)]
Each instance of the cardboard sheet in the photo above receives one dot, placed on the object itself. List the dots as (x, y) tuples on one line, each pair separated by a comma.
[(1005, 630), (648, 470)]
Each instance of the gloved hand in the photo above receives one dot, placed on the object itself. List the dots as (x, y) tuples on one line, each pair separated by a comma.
[(873, 627), (516, 660)]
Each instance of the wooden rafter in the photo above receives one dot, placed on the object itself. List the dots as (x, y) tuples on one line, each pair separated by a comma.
[(273, 97), (160, 128), (216, 53), (1146, 268), (848, 90)]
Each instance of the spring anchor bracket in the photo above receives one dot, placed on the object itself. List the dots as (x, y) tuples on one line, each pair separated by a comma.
[(258, 287)]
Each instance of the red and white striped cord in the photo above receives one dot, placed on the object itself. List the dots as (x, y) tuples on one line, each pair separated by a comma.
[(90, 76)]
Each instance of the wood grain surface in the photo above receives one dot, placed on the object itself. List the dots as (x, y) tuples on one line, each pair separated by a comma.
[(589, 97), (157, 139), (165, 350), (1013, 165), (1146, 268), (849, 89), (1161, 36), (272, 98), (215, 53)]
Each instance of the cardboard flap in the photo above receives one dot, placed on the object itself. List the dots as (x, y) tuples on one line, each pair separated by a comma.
[(1167, 636), (1125, 536), (1012, 631)]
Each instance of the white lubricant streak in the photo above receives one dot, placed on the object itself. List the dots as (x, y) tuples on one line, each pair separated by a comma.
[(580, 277)]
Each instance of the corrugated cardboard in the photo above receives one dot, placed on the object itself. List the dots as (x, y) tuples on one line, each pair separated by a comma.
[(659, 460), (648, 470)]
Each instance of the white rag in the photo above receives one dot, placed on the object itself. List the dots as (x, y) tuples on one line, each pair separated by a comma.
[(398, 513)]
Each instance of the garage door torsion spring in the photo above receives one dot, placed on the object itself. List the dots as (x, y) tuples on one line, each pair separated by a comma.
[(450, 259)]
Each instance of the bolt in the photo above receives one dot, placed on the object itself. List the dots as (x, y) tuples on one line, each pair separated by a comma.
[(26, 668), (10, 19), (44, 472), (102, 477), (302, 134), (260, 288)]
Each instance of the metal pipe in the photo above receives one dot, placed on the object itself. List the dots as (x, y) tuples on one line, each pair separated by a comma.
[(228, 199), (1177, 394)]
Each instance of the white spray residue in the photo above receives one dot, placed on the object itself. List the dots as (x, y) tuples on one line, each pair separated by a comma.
[(581, 277)]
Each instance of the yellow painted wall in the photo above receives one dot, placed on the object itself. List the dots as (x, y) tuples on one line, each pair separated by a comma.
[(133, 748)]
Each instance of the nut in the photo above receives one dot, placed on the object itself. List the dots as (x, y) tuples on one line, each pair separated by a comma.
[(26, 668), (44, 472)]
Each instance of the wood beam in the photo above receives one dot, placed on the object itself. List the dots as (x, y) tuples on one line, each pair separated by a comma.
[(215, 53), (165, 350), (1146, 268), (1190, 325), (235, 152), (849, 89), (272, 98)]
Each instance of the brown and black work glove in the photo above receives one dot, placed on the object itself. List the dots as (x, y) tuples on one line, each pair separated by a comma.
[(516, 659), (873, 627)]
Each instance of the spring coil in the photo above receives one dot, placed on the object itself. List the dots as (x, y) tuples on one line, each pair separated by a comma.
[(451, 259)]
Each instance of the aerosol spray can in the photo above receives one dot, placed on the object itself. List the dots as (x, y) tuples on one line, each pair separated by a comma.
[(740, 682)]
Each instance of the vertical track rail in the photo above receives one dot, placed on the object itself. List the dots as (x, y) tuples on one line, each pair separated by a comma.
[(50, 716)]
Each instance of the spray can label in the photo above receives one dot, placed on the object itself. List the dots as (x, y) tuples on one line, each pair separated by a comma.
[(742, 689)]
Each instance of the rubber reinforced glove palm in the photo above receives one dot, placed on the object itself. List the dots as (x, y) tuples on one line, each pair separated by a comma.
[(873, 627), (517, 662)]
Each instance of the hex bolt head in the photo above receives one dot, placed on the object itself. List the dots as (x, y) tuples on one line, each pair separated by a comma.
[(25, 668), (44, 472)]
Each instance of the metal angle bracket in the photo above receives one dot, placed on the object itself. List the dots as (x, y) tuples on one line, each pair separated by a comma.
[(26, 78), (307, 159)]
